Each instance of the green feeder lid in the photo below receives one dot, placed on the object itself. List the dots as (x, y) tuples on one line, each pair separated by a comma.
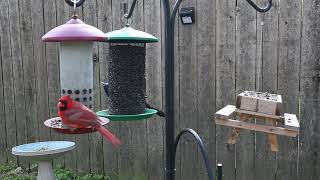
[(148, 113), (129, 35)]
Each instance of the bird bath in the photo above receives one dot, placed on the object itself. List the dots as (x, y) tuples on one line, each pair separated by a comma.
[(42, 152)]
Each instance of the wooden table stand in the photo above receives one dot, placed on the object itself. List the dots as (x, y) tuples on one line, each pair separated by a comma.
[(274, 125)]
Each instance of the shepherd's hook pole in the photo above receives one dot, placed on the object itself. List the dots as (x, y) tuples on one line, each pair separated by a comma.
[(171, 142), (201, 146)]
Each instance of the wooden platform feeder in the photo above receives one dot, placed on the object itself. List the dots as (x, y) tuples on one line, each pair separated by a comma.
[(266, 113)]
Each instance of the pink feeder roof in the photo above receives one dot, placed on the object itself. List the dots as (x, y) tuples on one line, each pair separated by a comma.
[(74, 30)]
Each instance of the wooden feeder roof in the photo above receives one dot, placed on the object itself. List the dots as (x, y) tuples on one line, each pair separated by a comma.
[(129, 35), (74, 30)]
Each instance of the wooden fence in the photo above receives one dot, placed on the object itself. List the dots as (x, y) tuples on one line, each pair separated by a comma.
[(230, 48)]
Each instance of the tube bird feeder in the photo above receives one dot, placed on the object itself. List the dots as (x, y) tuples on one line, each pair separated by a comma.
[(76, 58), (126, 74), (76, 66)]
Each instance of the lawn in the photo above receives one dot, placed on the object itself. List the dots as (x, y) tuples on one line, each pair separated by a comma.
[(12, 172)]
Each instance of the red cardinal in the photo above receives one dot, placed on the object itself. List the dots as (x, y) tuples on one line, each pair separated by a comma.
[(77, 115)]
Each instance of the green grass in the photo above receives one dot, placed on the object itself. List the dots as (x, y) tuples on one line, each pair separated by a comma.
[(63, 174), (60, 173), (4, 173), (19, 177), (7, 167)]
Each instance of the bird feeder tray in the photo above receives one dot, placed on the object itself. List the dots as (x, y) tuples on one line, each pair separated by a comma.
[(148, 113), (129, 35), (57, 125), (74, 30)]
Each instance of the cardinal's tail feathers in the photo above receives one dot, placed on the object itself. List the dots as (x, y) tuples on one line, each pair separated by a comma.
[(107, 134)]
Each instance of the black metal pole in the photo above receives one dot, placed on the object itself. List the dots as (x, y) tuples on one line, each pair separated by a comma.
[(219, 173), (169, 92)]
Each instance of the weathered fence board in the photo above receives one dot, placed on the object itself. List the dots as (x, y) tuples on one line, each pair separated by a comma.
[(187, 45), (265, 159), (152, 25), (245, 79), (29, 34), (225, 80), (288, 82), (9, 121), (18, 75), (28, 70), (40, 70), (3, 141), (309, 93), (206, 80), (230, 48)]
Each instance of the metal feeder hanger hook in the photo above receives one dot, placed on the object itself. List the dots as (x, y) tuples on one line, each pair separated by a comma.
[(76, 2), (261, 10), (128, 16)]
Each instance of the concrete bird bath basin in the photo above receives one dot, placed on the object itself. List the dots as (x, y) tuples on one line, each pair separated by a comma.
[(42, 152)]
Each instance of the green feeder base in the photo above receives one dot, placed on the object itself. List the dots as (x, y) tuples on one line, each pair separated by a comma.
[(148, 113)]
